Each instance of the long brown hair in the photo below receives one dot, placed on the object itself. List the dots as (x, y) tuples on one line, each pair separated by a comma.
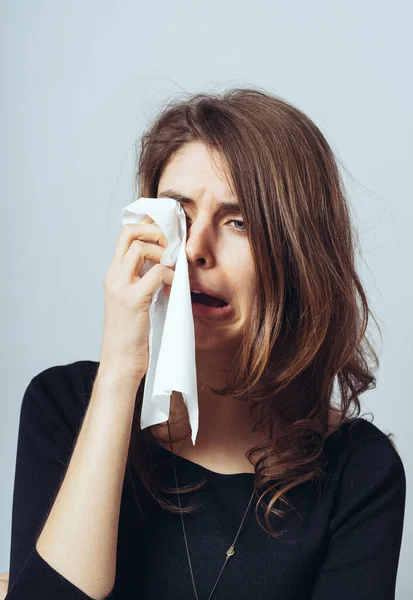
[(308, 327)]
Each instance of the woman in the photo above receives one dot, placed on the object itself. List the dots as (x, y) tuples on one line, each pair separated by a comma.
[(285, 494)]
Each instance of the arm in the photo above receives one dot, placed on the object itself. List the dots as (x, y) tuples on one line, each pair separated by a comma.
[(76, 503), (362, 555), (4, 582)]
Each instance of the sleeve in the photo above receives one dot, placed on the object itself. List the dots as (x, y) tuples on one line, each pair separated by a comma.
[(365, 535), (44, 447)]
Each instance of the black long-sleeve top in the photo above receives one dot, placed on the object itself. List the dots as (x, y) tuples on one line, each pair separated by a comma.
[(344, 546)]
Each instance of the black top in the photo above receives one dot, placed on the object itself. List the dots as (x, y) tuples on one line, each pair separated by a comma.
[(346, 546)]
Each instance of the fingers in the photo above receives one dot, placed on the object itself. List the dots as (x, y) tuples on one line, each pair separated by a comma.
[(135, 257), (146, 230), (158, 274)]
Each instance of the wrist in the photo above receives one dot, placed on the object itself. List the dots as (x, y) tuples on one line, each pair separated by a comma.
[(115, 376)]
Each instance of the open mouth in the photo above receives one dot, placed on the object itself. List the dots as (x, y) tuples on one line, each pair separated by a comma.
[(209, 307), (200, 298)]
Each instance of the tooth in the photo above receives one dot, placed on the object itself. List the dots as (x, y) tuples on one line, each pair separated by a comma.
[(196, 292)]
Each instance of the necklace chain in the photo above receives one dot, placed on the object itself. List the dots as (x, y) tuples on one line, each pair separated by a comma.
[(231, 550)]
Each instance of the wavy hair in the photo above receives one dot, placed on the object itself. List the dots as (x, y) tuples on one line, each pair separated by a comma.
[(308, 328)]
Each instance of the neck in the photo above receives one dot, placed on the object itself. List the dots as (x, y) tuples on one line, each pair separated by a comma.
[(225, 432)]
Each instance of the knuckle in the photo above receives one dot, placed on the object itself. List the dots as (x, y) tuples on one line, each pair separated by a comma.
[(128, 228), (147, 219)]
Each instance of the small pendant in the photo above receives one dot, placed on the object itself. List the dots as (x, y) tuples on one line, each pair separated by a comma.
[(230, 551)]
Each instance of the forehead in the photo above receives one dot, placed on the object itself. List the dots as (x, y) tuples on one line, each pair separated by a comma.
[(193, 171)]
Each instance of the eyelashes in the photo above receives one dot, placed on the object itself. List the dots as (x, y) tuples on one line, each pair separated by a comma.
[(239, 231)]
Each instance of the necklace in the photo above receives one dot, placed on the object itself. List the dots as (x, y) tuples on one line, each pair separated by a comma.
[(231, 550)]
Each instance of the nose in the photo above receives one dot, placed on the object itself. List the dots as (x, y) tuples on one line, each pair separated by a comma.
[(199, 244)]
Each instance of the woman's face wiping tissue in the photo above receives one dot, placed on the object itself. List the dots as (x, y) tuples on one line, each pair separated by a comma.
[(217, 248)]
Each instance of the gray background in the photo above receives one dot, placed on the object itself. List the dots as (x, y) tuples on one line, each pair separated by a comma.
[(78, 82)]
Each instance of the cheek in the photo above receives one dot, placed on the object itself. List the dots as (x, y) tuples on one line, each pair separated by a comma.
[(250, 293), (244, 282)]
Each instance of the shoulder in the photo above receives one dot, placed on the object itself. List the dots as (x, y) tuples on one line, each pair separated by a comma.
[(56, 398), (362, 457), (362, 438)]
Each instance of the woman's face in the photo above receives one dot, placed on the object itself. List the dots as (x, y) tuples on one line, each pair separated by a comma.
[(218, 251)]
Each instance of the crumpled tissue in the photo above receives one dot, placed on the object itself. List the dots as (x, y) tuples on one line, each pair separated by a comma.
[(171, 326)]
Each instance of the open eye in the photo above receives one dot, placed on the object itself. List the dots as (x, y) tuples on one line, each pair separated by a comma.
[(238, 230)]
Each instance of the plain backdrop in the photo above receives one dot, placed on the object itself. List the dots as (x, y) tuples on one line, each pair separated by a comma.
[(79, 81)]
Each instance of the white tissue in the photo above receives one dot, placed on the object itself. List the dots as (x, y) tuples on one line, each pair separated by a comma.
[(171, 324)]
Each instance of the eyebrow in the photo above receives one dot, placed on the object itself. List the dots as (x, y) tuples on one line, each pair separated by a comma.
[(225, 205)]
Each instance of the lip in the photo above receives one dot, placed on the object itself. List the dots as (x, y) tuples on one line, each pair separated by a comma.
[(195, 285), (204, 311)]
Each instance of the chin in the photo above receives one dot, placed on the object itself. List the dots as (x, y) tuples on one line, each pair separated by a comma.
[(208, 338)]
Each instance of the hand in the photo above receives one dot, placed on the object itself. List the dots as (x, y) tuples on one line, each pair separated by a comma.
[(4, 585), (125, 344)]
